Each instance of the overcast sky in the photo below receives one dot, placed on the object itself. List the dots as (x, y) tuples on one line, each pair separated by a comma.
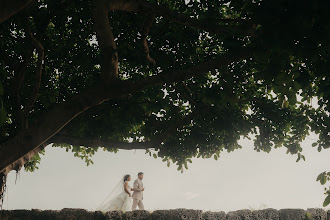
[(243, 179)]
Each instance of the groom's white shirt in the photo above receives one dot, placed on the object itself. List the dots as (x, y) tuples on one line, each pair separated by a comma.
[(138, 186)]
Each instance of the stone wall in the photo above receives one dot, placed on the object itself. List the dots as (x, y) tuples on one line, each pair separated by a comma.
[(184, 214)]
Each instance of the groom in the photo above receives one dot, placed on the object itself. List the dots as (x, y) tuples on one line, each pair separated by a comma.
[(138, 192)]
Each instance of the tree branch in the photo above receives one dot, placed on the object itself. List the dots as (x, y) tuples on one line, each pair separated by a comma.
[(18, 79), (99, 142), (127, 5), (245, 27), (109, 55), (201, 68), (144, 34), (240, 26), (10, 7), (185, 92), (16, 86), (40, 50)]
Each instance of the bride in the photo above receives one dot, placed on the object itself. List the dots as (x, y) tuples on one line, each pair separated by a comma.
[(120, 198)]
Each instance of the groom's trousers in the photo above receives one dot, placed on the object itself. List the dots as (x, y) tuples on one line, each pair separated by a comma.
[(137, 202)]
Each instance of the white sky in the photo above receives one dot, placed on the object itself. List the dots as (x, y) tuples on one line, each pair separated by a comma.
[(238, 180)]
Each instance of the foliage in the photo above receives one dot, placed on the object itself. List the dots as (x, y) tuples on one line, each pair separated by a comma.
[(32, 165), (267, 94), (80, 152), (323, 178)]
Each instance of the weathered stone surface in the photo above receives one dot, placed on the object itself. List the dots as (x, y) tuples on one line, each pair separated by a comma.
[(328, 214), (68, 214), (19, 214), (4, 214), (49, 215), (176, 214), (114, 215), (180, 214), (316, 214), (98, 215), (292, 214), (75, 214), (137, 214), (214, 215), (240, 214), (266, 214)]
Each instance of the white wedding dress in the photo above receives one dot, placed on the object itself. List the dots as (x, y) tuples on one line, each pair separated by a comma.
[(118, 199)]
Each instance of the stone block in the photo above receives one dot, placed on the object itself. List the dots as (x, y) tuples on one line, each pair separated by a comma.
[(75, 214), (137, 215), (292, 214), (114, 215), (177, 214), (19, 215), (240, 214), (266, 214), (5, 214), (214, 216), (49, 215), (316, 214)]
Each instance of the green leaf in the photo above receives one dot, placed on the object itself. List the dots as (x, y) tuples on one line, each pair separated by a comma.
[(323, 179), (326, 201), (319, 176)]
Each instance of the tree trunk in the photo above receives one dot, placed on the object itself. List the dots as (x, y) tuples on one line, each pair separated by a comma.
[(20, 149), (10, 7)]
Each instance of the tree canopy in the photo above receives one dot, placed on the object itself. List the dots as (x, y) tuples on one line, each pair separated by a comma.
[(178, 79)]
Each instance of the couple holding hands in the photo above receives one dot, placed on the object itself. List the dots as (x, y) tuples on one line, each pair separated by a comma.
[(120, 197)]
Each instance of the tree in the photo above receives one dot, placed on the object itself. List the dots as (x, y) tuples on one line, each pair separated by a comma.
[(180, 80)]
